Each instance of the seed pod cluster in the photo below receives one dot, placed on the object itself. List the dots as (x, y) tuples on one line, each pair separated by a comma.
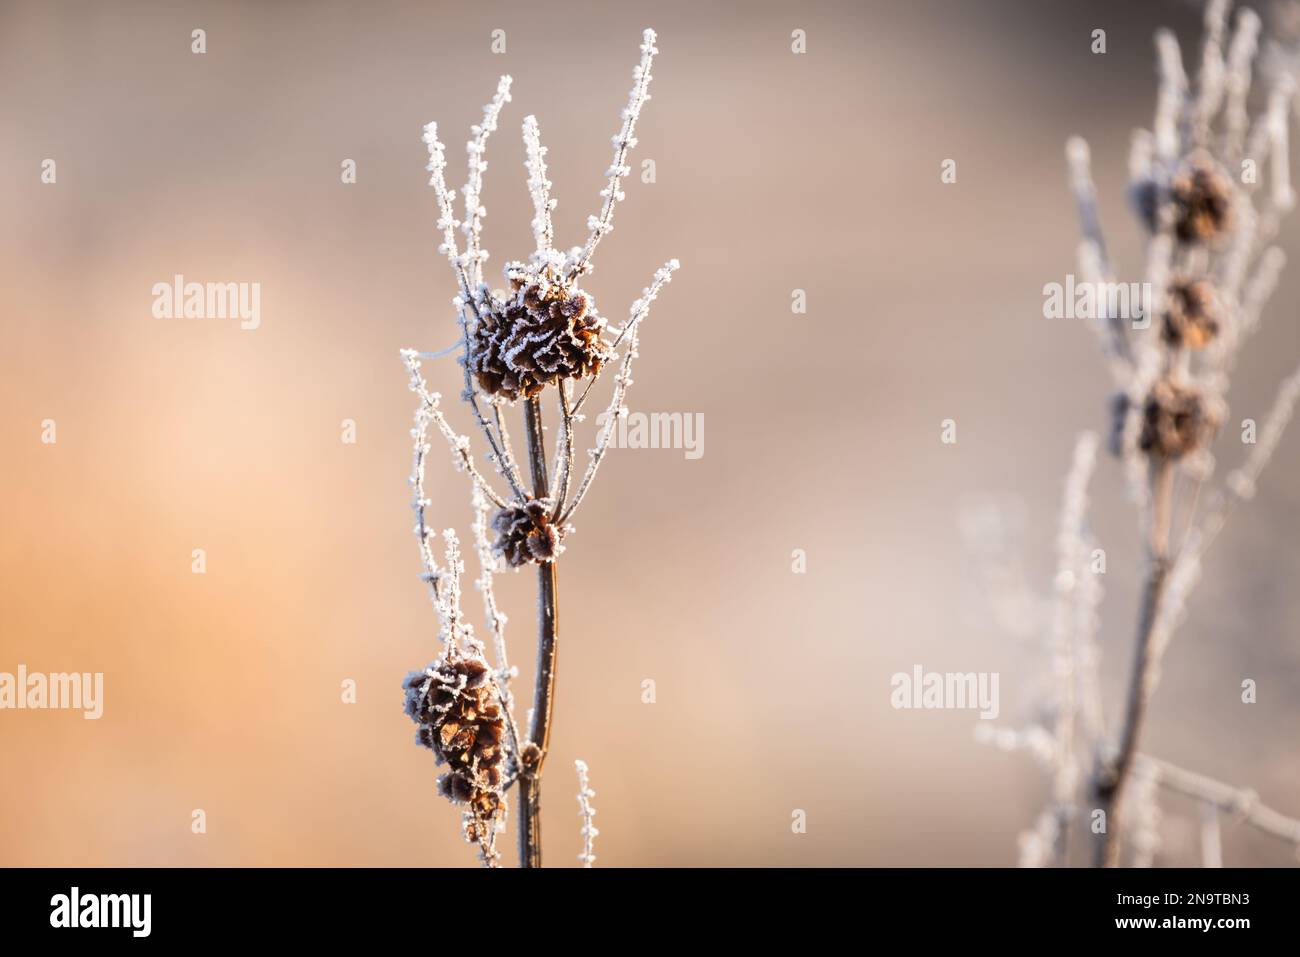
[(545, 332), (525, 533), (458, 709)]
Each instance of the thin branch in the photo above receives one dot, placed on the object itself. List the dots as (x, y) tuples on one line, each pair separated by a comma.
[(475, 148), (1070, 567), (447, 221), (563, 451), (500, 451), (587, 812), (1241, 804), (1211, 838), (1094, 261), (489, 564), (430, 412), (539, 187), (640, 309), (1241, 53), (623, 143), (1241, 482)]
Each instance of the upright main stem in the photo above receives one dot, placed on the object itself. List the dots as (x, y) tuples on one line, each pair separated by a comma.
[(1111, 778), (539, 735)]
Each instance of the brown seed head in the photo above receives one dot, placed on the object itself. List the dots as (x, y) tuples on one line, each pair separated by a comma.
[(545, 332), (458, 709), (1176, 420), (1202, 200), (1191, 314), (525, 533)]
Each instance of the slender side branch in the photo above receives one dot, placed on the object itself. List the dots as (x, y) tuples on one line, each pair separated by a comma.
[(623, 143), (475, 148), (1240, 803), (539, 187), (563, 451), (430, 412), (587, 812), (640, 309)]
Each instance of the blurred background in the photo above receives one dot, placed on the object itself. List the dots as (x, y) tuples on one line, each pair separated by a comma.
[(774, 172)]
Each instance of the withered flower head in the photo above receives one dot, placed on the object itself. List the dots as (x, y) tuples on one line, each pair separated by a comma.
[(1176, 420), (525, 533), (1202, 199), (544, 332), (1191, 314), (460, 717)]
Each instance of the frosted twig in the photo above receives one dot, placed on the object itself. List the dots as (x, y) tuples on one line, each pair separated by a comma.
[(1241, 481), (460, 630), (539, 187), (1210, 79), (587, 812), (563, 470), (447, 221), (1094, 262), (1279, 105), (623, 142), (1259, 290), (1144, 812), (1241, 53), (1211, 838), (640, 309), (1171, 99), (501, 452), (1241, 804), (429, 411), (475, 148), (1070, 568), (430, 572), (488, 564)]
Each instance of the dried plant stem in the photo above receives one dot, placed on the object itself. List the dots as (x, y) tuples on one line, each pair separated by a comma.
[(1240, 803), (1111, 777), (539, 736)]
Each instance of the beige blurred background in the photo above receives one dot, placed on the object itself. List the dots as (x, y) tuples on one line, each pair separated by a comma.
[(774, 172)]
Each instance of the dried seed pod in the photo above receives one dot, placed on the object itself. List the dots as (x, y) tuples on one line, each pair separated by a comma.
[(525, 533), (458, 709), (543, 333), (1176, 420), (1202, 199), (1191, 314)]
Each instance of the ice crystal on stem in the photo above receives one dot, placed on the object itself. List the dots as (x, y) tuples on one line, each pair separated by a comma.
[(588, 814)]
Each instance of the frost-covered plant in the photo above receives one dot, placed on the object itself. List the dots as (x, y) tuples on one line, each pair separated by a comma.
[(1211, 269), (543, 332)]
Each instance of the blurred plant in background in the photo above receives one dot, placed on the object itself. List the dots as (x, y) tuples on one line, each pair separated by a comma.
[(1198, 189)]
